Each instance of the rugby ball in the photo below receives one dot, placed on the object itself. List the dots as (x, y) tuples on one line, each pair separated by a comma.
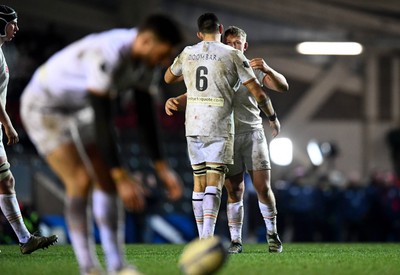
[(200, 257)]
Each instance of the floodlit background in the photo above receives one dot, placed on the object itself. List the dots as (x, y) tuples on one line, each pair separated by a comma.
[(334, 170)]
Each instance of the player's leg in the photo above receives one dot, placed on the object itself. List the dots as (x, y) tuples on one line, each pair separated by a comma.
[(8, 201), (109, 214), (267, 205), (258, 163), (67, 164), (197, 159), (218, 154), (107, 207), (10, 208), (234, 186), (199, 182), (266, 198), (212, 196)]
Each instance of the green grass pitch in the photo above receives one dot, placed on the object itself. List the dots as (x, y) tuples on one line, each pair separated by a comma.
[(297, 258)]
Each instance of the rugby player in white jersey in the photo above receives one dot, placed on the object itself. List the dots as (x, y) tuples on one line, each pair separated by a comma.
[(67, 114), (251, 150), (8, 199), (211, 72)]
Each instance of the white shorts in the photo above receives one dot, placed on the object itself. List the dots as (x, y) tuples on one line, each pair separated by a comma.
[(250, 153), (210, 149), (49, 128)]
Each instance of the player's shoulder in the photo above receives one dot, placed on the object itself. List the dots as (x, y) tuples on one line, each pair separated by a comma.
[(233, 52), (187, 50), (227, 51), (119, 33), (193, 47), (226, 48)]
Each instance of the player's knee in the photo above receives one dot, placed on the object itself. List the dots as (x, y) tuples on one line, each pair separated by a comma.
[(217, 169), (266, 195), (234, 194), (199, 170), (80, 183), (216, 175), (6, 178)]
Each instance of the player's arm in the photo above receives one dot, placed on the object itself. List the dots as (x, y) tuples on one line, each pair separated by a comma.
[(103, 126), (265, 104), (176, 104), (170, 78), (148, 124), (11, 133), (130, 191), (272, 80), (174, 73)]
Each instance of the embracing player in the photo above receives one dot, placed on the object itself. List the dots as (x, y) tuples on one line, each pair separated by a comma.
[(211, 71), (251, 150)]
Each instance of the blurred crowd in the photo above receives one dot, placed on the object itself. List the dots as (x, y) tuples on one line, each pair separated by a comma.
[(330, 208)]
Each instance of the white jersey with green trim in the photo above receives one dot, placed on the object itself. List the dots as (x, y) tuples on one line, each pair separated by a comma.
[(212, 73), (246, 112)]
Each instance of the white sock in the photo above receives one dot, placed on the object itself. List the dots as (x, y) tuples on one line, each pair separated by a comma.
[(79, 226), (197, 204), (211, 203), (234, 212), (269, 216), (10, 207), (106, 210)]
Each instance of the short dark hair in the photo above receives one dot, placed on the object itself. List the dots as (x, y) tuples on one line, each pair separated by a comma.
[(164, 27), (235, 31), (208, 23)]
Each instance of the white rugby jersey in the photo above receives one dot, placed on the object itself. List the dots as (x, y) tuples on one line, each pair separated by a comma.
[(4, 78), (246, 112), (100, 61), (211, 71)]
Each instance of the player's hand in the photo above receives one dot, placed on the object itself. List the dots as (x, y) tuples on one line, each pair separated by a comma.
[(130, 190), (12, 135), (171, 105), (259, 63), (276, 127), (172, 182)]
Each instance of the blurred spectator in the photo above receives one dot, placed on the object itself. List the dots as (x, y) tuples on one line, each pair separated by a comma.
[(301, 201), (354, 207), (328, 214)]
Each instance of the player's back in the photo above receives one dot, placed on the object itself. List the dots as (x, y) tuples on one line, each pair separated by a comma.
[(67, 74), (211, 72), (209, 68)]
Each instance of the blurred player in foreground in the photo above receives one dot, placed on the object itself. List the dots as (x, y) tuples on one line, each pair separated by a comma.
[(251, 150), (211, 71), (66, 111), (8, 199)]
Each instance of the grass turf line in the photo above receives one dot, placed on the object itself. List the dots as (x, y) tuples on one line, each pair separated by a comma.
[(153, 259)]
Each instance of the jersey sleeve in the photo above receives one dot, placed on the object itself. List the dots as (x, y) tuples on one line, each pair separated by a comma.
[(176, 67), (99, 72), (244, 70), (260, 76)]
